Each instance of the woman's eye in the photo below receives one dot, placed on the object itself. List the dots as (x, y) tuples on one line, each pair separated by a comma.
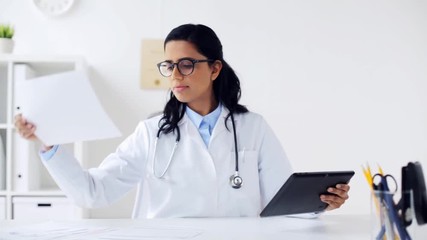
[(187, 66)]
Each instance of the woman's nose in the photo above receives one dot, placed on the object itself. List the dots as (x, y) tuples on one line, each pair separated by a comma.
[(176, 74)]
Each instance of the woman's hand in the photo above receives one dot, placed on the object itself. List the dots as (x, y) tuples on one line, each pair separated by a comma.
[(27, 129), (338, 196)]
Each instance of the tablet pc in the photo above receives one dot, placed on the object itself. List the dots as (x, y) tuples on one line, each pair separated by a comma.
[(301, 192)]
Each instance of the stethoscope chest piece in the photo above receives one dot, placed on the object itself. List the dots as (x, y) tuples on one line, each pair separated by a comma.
[(236, 181)]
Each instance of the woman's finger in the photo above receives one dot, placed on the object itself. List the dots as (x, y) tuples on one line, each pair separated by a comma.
[(344, 187), (332, 205), (341, 193)]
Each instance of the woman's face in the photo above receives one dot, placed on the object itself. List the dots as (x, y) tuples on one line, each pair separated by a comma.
[(195, 89)]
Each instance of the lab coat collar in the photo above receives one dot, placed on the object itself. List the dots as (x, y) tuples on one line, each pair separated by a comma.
[(210, 119), (220, 122), (219, 132)]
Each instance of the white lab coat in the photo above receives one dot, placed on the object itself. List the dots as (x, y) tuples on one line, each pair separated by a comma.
[(197, 183)]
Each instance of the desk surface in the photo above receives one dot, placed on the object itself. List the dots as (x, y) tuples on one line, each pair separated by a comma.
[(325, 227)]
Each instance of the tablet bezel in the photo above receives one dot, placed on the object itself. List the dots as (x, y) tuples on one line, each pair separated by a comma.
[(301, 192)]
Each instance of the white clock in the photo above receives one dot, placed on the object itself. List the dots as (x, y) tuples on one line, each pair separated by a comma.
[(53, 7)]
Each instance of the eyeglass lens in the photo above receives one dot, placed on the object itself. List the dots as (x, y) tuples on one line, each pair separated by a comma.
[(185, 67)]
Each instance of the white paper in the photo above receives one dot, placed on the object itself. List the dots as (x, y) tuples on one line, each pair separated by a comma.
[(138, 233), (73, 231), (64, 109), (51, 231)]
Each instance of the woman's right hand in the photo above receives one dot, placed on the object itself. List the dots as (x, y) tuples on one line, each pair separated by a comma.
[(27, 129)]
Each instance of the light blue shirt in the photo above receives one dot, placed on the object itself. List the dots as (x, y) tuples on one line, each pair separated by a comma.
[(49, 154), (204, 124)]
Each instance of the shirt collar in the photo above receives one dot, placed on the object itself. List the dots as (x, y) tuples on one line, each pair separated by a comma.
[(210, 119)]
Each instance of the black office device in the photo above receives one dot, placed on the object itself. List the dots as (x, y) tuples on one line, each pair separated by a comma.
[(413, 180), (301, 192)]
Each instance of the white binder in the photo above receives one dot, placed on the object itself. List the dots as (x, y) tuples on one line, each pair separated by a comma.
[(24, 153), (2, 166)]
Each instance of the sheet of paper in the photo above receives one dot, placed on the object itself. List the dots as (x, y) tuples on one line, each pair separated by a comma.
[(137, 233), (73, 231), (64, 108), (52, 230)]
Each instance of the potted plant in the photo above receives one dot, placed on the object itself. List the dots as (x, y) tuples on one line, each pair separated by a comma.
[(6, 41)]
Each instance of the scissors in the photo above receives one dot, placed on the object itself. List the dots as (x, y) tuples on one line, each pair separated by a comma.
[(380, 184)]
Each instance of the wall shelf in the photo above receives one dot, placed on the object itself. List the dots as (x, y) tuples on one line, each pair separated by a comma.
[(23, 178)]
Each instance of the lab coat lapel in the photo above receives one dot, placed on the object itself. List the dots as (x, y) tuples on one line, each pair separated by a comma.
[(192, 131), (220, 133), (195, 139), (221, 148)]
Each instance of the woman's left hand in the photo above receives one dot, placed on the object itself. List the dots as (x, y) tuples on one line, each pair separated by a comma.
[(338, 196)]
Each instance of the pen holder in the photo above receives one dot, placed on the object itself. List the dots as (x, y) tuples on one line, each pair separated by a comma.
[(392, 216)]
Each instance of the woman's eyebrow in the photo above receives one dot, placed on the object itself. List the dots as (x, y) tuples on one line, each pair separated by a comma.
[(179, 59)]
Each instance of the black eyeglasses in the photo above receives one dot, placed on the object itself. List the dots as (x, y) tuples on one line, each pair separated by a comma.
[(185, 66)]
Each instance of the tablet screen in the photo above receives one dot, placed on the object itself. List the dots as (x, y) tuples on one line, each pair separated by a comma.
[(301, 192)]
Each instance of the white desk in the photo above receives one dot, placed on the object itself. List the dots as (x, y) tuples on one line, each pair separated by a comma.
[(325, 227)]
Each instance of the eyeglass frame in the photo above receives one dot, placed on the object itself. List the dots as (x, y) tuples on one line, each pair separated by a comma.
[(192, 60)]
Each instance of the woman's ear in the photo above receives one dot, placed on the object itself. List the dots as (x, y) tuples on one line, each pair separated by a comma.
[(216, 69)]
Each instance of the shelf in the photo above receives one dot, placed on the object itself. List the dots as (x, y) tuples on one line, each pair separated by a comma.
[(39, 193), (44, 64), (22, 174), (17, 58), (53, 192)]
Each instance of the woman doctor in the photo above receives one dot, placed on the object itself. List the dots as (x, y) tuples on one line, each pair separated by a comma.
[(205, 156)]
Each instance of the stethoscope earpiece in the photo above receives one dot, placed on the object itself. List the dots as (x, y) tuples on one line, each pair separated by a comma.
[(236, 181)]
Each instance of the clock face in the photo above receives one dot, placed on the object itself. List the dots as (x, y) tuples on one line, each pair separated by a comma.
[(53, 7)]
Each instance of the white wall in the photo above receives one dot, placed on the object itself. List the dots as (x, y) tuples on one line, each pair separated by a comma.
[(342, 82)]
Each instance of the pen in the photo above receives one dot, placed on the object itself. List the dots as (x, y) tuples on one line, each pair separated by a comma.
[(368, 176), (380, 170)]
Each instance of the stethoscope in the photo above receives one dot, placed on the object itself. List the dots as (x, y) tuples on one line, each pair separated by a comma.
[(235, 180)]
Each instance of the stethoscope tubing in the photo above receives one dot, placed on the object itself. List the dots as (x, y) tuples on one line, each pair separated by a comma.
[(236, 152), (169, 162), (235, 179)]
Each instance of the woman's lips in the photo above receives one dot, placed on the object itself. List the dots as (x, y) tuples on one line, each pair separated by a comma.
[(180, 88)]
